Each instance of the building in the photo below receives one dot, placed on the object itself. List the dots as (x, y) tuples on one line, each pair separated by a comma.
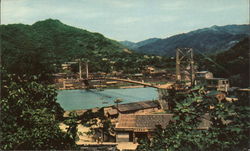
[(132, 108), (149, 70), (206, 78), (67, 65), (204, 74), (219, 84), (201, 76), (132, 127), (98, 147)]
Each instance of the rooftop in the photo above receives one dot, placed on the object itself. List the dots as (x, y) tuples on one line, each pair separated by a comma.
[(132, 107), (149, 121), (217, 79), (203, 72), (143, 121)]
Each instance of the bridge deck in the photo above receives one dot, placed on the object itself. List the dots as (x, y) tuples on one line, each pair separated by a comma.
[(126, 80)]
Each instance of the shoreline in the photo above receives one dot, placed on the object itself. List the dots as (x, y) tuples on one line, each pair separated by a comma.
[(101, 88), (94, 109)]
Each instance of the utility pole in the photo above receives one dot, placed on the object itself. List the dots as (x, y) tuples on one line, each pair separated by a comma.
[(80, 69), (178, 72), (192, 73), (87, 69), (184, 60)]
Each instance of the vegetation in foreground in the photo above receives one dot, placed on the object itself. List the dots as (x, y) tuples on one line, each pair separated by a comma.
[(30, 116), (229, 128), (232, 64)]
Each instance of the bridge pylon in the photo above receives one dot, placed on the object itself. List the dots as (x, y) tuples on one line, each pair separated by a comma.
[(185, 65)]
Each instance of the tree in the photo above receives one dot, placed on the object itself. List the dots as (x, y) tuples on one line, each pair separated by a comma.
[(101, 123), (229, 128), (72, 124), (117, 101), (30, 115)]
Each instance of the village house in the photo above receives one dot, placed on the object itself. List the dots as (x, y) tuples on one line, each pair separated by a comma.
[(201, 76), (132, 108), (149, 70), (132, 127), (67, 65), (206, 78), (219, 84), (204, 74)]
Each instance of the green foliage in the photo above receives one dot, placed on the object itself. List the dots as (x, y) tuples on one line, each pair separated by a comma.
[(36, 48), (42, 47), (107, 61), (232, 64), (229, 128), (30, 115), (207, 40), (97, 119), (72, 124)]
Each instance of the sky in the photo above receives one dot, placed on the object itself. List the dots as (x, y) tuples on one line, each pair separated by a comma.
[(133, 20)]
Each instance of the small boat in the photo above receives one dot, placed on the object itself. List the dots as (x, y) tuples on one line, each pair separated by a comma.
[(105, 102)]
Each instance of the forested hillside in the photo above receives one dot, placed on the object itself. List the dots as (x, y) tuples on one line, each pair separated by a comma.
[(207, 40), (232, 64), (42, 47), (135, 46), (48, 41)]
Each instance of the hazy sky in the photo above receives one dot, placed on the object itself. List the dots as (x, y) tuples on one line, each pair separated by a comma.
[(133, 20)]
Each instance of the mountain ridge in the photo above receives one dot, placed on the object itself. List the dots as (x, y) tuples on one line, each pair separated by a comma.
[(135, 45), (207, 40), (45, 45), (51, 30), (50, 41)]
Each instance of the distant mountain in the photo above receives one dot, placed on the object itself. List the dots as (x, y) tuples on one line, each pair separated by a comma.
[(208, 40), (128, 44), (50, 41), (135, 46), (45, 45), (61, 39)]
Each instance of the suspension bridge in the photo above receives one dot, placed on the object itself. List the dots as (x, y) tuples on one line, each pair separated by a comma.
[(124, 80)]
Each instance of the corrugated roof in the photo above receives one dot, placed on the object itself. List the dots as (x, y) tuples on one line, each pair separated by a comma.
[(132, 107), (137, 106)]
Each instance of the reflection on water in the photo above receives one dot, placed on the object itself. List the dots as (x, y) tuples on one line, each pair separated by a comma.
[(86, 99)]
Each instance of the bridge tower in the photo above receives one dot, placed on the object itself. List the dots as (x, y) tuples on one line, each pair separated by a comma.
[(86, 69), (185, 65)]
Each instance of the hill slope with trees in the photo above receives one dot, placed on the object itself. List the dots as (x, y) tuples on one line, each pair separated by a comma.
[(27, 48), (207, 40), (232, 64), (49, 39), (136, 45)]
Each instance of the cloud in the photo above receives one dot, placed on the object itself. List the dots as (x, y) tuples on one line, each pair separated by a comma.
[(174, 5), (129, 19)]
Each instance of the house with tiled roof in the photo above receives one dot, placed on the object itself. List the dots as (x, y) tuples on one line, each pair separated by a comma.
[(131, 127), (132, 108)]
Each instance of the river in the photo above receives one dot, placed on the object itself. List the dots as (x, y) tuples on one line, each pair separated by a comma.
[(86, 99)]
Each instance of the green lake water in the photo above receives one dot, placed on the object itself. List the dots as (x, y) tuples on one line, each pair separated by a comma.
[(86, 99)]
